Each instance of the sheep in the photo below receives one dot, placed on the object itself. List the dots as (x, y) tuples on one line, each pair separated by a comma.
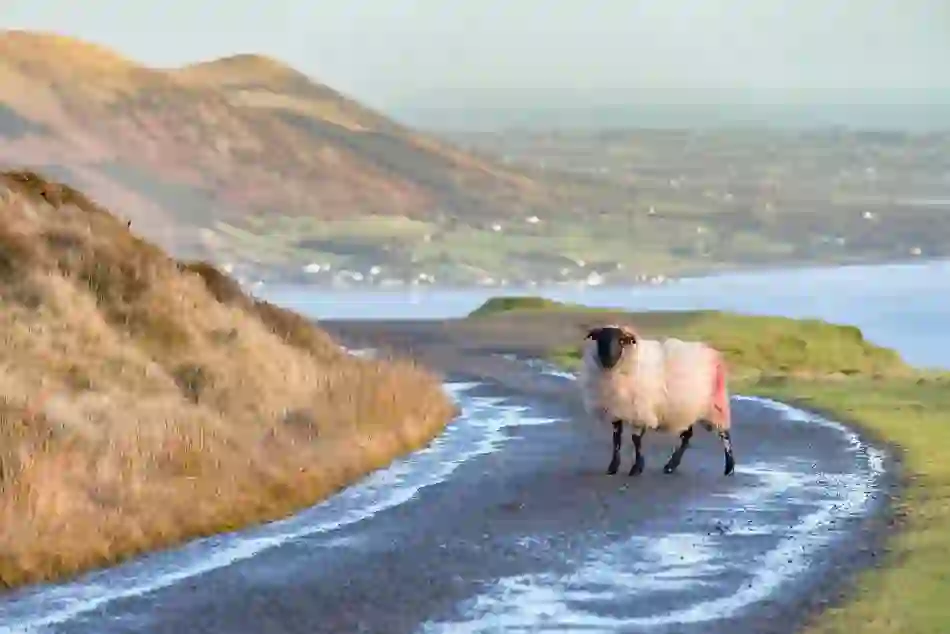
[(667, 385)]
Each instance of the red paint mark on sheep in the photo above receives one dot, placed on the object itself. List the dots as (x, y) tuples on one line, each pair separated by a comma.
[(720, 396)]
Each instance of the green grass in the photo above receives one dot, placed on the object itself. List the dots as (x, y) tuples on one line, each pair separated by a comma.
[(433, 246), (689, 233), (832, 368), (910, 594), (754, 346)]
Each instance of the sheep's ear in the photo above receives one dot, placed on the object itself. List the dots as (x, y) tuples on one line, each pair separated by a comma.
[(629, 335), (593, 333)]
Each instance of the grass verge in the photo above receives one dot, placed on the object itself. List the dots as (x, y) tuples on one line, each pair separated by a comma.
[(146, 401), (832, 368)]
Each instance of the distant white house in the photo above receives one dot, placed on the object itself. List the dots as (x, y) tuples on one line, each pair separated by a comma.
[(345, 275), (595, 279)]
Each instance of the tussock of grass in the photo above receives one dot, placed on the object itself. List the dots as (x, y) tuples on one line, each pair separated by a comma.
[(144, 401), (833, 368)]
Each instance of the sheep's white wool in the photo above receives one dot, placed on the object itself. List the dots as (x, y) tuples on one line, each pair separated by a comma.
[(664, 385)]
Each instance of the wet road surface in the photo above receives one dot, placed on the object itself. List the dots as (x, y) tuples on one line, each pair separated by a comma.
[(507, 522)]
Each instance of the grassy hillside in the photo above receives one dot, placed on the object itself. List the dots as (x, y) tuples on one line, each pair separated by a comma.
[(831, 368), (145, 400)]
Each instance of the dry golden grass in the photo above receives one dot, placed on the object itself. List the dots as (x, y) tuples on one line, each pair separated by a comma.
[(145, 401), (41, 49), (106, 76)]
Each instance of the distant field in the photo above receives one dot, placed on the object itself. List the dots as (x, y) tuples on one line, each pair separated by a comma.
[(640, 203)]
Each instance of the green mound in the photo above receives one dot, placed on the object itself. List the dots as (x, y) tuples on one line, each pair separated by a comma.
[(496, 305), (752, 344)]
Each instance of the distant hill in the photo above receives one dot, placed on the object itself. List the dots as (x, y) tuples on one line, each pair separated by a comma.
[(245, 161), (223, 141)]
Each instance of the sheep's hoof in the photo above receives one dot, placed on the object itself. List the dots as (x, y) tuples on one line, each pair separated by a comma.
[(637, 468), (672, 464), (614, 466)]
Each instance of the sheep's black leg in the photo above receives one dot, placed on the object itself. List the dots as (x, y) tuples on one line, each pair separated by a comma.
[(674, 461), (615, 457), (637, 437), (727, 445)]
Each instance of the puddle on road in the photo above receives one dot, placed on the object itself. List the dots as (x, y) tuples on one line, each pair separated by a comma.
[(781, 523), (636, 571), (481, 428)]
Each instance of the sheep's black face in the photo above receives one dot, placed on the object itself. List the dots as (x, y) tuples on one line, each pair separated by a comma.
[(610, 344)]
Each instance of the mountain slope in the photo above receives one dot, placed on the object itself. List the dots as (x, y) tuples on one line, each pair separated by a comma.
[(226, 140)]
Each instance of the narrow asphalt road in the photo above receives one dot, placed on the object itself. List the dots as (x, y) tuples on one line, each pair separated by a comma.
[(508, 523)]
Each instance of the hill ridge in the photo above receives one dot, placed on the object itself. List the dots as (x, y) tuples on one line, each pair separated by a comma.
[(200, 153)]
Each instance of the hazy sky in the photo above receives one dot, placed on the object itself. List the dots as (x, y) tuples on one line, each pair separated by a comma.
[(392, 53)]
